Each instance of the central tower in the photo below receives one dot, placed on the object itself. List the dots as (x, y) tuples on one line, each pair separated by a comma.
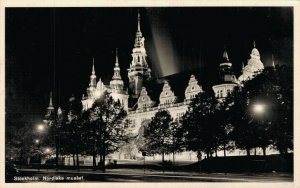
[(139, 70)]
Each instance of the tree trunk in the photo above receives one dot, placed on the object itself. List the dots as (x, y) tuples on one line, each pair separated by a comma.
[(77, 157), (216, 153), (173, 158), (248, 151), (100, 162), (94, 161), (77, 161), (264, 151), (163, 157), (254, 151), (224, 149), (94, 149), (74, 164), (21, 156), (103, 158), (207, 154), (199, 156)]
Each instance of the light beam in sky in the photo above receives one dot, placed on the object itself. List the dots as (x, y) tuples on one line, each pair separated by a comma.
[(166, 62)]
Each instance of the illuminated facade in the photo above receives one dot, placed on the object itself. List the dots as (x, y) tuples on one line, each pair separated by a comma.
[(145, 105)]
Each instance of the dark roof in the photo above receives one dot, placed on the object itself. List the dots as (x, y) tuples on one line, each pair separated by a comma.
[(206, 78)]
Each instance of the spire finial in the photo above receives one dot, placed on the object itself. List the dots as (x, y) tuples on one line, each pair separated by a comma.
[(50, 107), (93, 71), (273, 61), (254, 45), (139, 18), (117, 59), (225, 54), (50, 102)]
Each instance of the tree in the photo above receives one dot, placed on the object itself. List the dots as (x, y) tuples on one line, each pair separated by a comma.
[(107, 117), (200, 125), (244, 133), (176, 138), (18, 143), (224, 128), (129, 149), (274, 87), (90, 137), (141, 141), (73, 128), (158, 133)]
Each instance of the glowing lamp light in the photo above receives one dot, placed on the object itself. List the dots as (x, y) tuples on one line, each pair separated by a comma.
[(259, 108), (40, 127), (37, 141), (48, 150)]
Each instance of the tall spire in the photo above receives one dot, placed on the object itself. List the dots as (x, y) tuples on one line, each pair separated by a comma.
[(117, 70), (50, 107), (138, 19), (117, 59), (139, 39), (139, 69), (254, 45), (93, 71), (93, 76)]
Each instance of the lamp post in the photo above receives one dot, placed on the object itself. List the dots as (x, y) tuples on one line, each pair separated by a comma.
[(40, 128), (37, 141), (259, 113)]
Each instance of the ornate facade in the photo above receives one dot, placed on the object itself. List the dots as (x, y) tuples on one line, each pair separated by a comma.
[(145, 106)]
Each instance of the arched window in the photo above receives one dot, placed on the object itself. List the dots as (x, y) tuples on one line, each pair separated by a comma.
[(228, 91)]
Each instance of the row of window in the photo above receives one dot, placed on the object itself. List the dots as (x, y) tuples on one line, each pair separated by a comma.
[(220, 93), (179, 115)]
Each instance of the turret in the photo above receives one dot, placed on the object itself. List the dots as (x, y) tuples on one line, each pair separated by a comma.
[(139, 70)]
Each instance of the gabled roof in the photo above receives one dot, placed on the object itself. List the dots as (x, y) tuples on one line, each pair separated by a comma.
[(206, 78)]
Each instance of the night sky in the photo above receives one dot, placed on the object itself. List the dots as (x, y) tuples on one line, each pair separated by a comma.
[(52, 48)]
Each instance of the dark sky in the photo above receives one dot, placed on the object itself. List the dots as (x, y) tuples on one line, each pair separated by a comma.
[(49, 48)]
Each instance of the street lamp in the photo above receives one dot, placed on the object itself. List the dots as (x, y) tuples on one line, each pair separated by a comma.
[(47, 150), (37, 141), (260, 114), (40, 127), (259, 108)]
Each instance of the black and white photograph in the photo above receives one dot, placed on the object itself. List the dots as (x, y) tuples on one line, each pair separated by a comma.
[(149, 94)]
